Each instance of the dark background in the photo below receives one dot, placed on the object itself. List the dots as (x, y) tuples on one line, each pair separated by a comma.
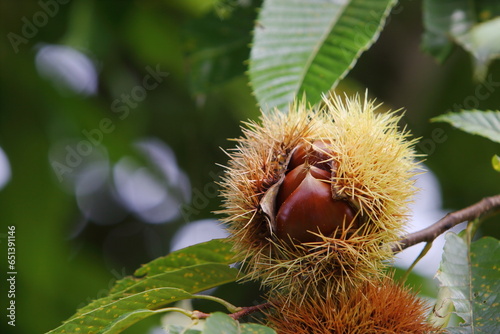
[(74, 237)]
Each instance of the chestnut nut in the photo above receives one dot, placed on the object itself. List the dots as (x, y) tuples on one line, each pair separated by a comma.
[(304, 203)]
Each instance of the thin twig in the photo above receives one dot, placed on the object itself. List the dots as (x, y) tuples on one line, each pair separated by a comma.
[(250, 309), (200, 315), (485, 206), (236, 315)]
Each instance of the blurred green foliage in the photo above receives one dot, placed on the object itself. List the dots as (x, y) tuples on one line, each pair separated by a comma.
[(62, 258)]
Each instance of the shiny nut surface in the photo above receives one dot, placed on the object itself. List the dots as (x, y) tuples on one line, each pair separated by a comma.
[(304, 202)]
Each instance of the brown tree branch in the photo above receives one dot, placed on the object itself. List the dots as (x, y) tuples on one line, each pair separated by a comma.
[(236, 315), (485, 206), (249, 309)]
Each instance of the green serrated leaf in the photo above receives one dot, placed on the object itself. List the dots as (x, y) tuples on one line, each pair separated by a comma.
[(308, 47), (221, 323), (112, 316), (163, 281), (495, 161), (214, 251), (472, 280), (193, 279), (471, 24), (482, 123)]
